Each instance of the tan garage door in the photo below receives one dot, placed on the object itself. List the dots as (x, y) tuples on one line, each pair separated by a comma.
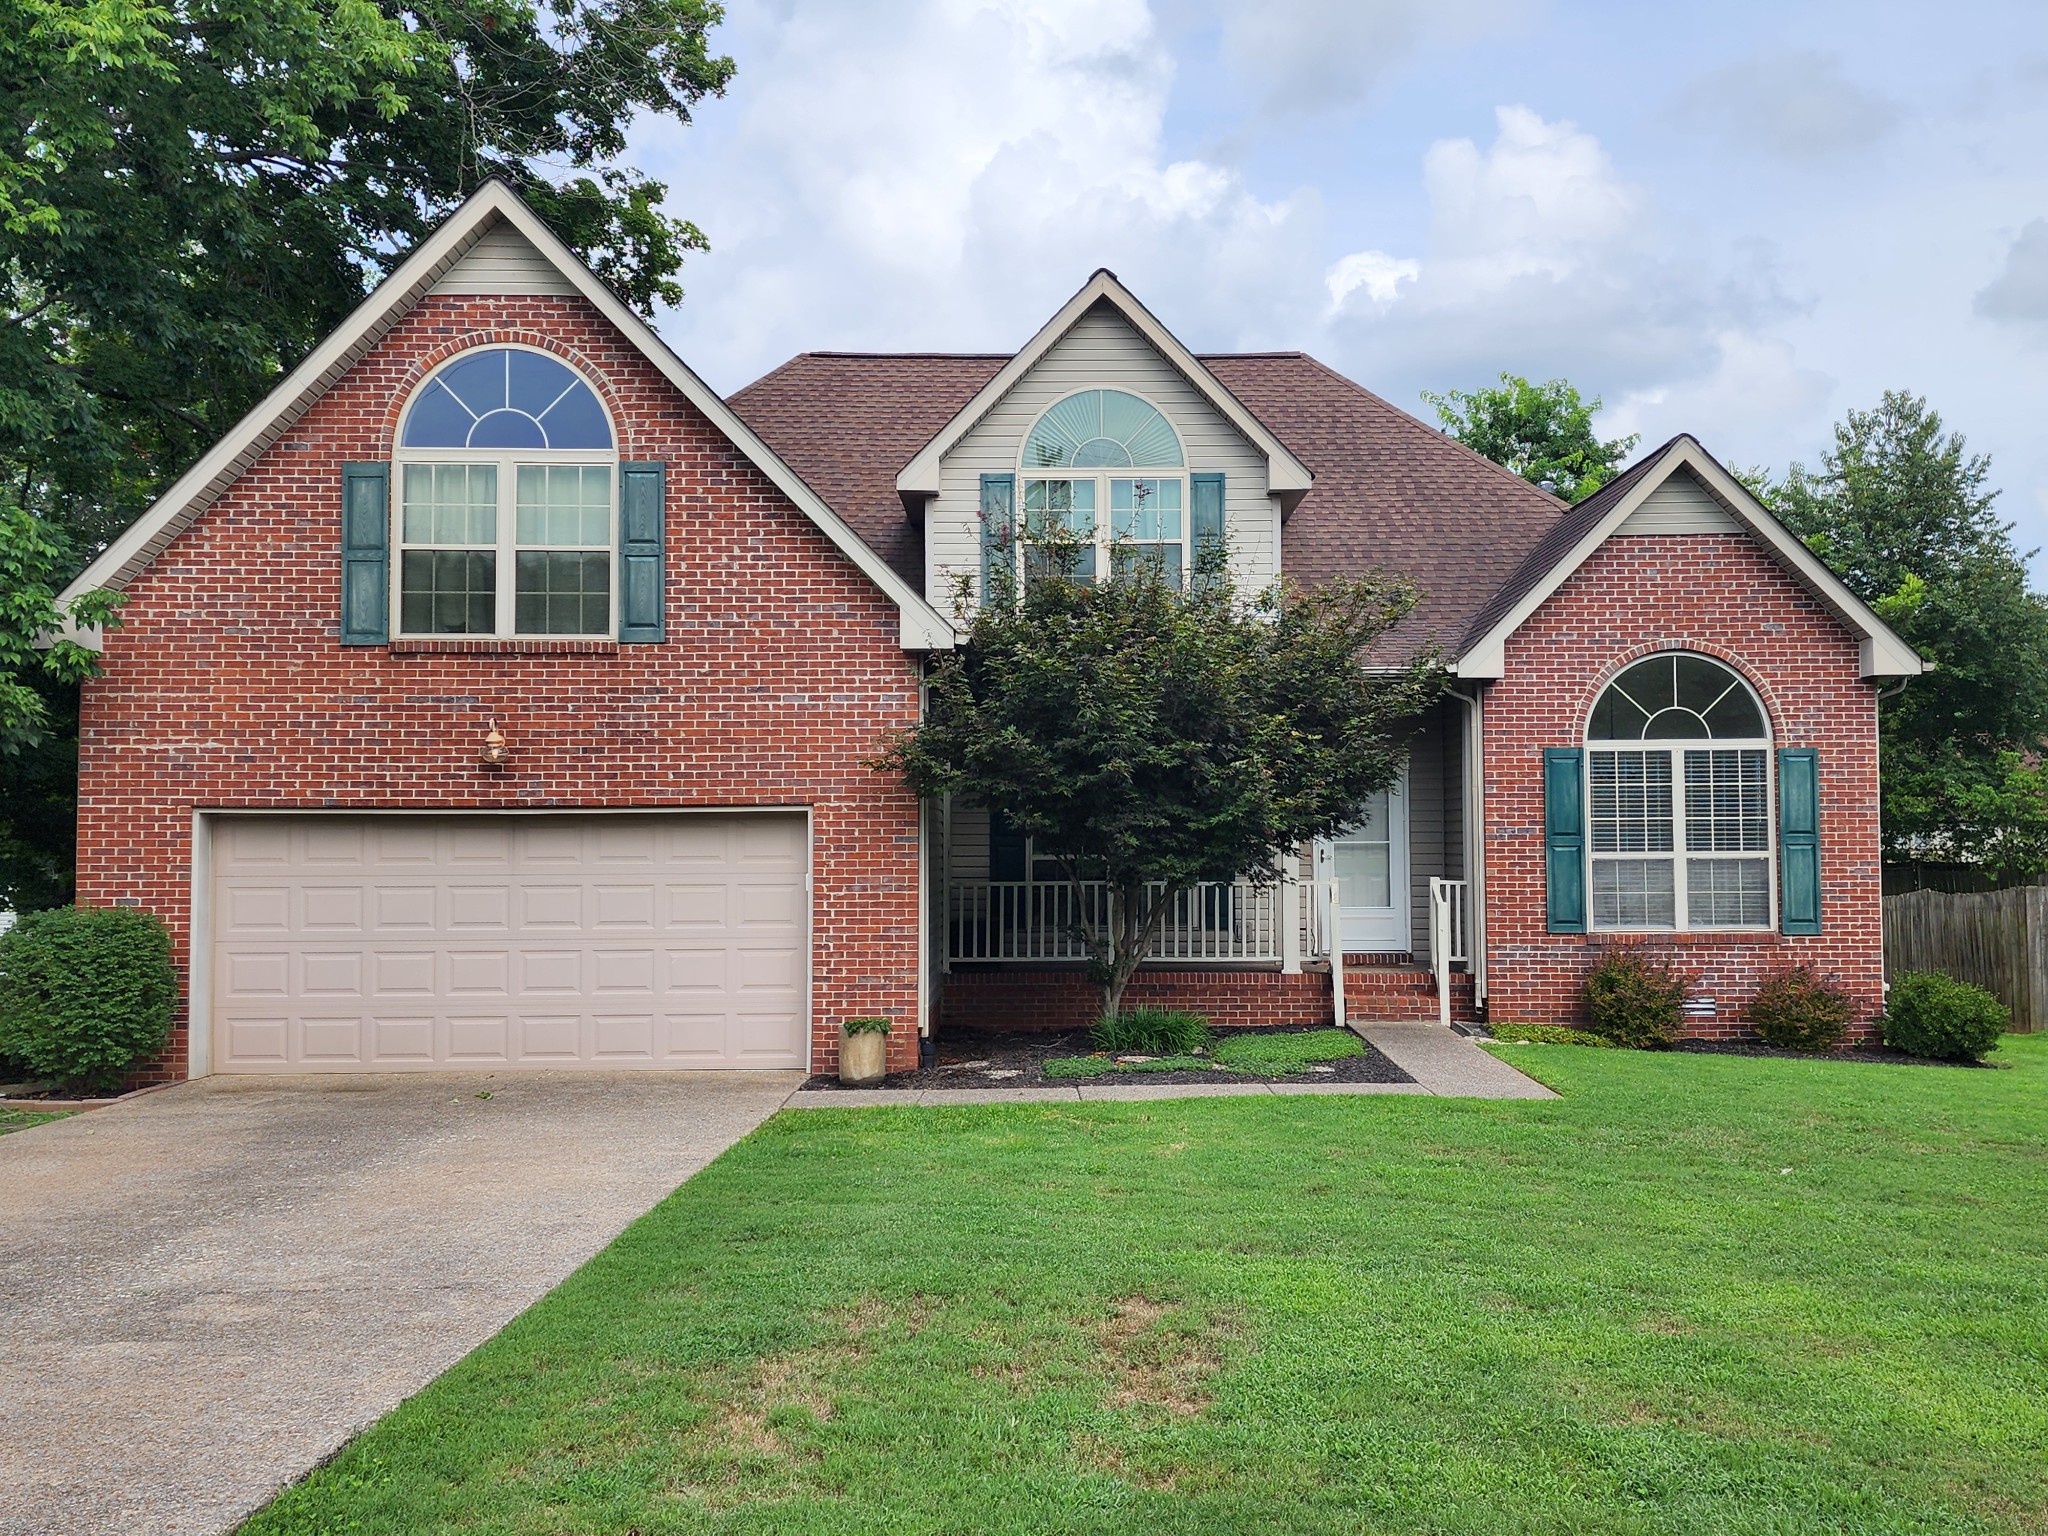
[(353, 943)]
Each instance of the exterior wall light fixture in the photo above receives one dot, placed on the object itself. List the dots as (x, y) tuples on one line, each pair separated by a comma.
[(496, 750)]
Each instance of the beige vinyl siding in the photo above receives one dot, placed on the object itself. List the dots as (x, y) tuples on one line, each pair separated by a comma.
[(1680, 505), (503, 261), (1101, 352), (1436, 819)]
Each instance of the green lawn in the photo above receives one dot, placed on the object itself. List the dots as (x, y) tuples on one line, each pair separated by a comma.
[(22, 1119), (1698, 1293)]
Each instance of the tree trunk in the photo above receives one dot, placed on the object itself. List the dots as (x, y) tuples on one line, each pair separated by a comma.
[(1131, 928)]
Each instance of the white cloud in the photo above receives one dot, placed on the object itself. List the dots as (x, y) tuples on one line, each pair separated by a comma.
[(943, 173), (1544, 260), (1311, 55), (1791, 105), (1756, 401), (2020, 291), (1376, 273)]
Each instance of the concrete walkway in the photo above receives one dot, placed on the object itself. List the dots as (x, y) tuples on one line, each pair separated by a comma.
[(1442, 1062), (205, 1291)]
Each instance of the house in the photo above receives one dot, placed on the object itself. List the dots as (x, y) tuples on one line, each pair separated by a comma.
[(496, 695)]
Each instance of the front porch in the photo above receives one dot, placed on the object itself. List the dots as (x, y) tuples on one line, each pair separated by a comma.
[(1392, 899)]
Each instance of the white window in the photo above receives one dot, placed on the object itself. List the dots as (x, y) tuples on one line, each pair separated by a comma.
[(1678, 799), (1103, 471), (505, 507)]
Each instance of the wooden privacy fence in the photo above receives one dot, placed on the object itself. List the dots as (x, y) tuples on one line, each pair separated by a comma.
[(1997, 939)]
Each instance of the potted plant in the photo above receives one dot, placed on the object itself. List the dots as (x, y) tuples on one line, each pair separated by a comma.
[(863, 1051)]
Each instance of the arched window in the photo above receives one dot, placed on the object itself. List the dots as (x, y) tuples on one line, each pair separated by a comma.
[(1105, 451), (505, 506), (1680, 835)]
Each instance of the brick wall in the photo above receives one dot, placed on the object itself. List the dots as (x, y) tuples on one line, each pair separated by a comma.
[(1054, 997), (227, 687), (1718, 594)]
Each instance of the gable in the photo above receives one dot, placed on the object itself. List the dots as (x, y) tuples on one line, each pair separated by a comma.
[(1680, 505), (1588, 526), (503, 261), (1100, 351), (492, 208)]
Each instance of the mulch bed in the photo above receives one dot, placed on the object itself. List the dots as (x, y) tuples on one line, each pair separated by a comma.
[(972, 1059)]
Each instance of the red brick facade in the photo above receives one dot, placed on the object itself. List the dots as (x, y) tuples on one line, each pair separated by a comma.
[(227, 687), (1055, 997), (1718, 594)]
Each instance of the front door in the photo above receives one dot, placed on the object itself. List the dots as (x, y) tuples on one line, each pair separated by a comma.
[(1369, 862)]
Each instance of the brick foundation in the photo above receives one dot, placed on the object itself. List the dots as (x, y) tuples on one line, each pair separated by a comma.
[(227, 687), (1717, 594), (1403, 992), (1052, 998)]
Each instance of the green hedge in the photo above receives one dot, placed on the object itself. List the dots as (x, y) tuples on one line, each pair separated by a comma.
[(1930, 1014), (85, 993)]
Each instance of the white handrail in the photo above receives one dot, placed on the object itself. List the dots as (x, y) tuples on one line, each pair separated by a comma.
[(1448, 901), (1333, 946), (1043, 920)]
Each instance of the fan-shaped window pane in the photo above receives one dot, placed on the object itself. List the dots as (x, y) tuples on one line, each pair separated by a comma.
[(502, 397), (1677, 697), (1102, 428)]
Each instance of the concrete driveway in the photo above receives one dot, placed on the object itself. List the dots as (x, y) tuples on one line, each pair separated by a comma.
[(205, 1291)]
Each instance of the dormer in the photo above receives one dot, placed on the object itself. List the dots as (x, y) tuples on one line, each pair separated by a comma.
[(1106, 424)]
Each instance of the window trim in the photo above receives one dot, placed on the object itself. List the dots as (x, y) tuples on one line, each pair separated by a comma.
[(1676, 748), (506, 461), (1105, 541)]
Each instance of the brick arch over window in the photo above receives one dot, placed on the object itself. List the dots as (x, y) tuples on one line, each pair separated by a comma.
[(1774, 714), (586, 367)]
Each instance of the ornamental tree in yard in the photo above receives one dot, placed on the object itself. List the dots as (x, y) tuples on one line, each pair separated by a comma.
[(1152, 739)]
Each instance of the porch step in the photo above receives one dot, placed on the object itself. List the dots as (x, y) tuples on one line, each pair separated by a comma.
[(1405, 991)]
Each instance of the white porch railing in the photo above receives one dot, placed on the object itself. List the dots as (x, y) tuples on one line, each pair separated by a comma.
[(1040, 920), (1449, 942)]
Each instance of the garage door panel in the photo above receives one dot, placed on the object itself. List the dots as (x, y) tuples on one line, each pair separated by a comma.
[(401, 1040), (528, 941), (331, 908), (548, 906), (329, 1040), (257, 909)]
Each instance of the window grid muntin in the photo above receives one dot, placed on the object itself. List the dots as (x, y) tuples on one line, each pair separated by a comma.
[(1688, 844), (1095, 517), (506, 465)]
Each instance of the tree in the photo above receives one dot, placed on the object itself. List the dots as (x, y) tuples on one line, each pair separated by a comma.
[(1899, 509), (1151, 739), (195, 192), (1543, 432)]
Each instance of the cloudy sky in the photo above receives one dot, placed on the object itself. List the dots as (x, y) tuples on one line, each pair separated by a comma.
[(1736, 219)]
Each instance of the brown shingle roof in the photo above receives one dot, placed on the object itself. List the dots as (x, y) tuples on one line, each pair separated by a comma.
[(1389, 491)]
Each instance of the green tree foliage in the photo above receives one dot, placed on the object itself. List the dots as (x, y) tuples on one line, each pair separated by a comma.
[(1543, 432), (1152, 740), (195, 192), (86, 993), (1900, 510)]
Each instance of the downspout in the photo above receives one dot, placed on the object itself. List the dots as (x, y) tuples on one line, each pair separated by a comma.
[(1884, 978), (1475, 836)]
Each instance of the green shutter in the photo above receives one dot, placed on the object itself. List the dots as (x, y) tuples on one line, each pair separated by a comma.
[(1564, 838), (365, 554), (643, 605), (1799, 840), (998, 529), (1205, 519)]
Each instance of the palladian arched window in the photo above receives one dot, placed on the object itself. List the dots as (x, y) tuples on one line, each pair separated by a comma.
[(506, 465), (1678, 799), (1106, 466)]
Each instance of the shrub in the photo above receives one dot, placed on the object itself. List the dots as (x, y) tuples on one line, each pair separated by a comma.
[(1801, 1010), (85, 992), (1634, 1000), (1279, 1055), (866, 1026), (1545, 1034), (1930, 1014), (1153, 1032)]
